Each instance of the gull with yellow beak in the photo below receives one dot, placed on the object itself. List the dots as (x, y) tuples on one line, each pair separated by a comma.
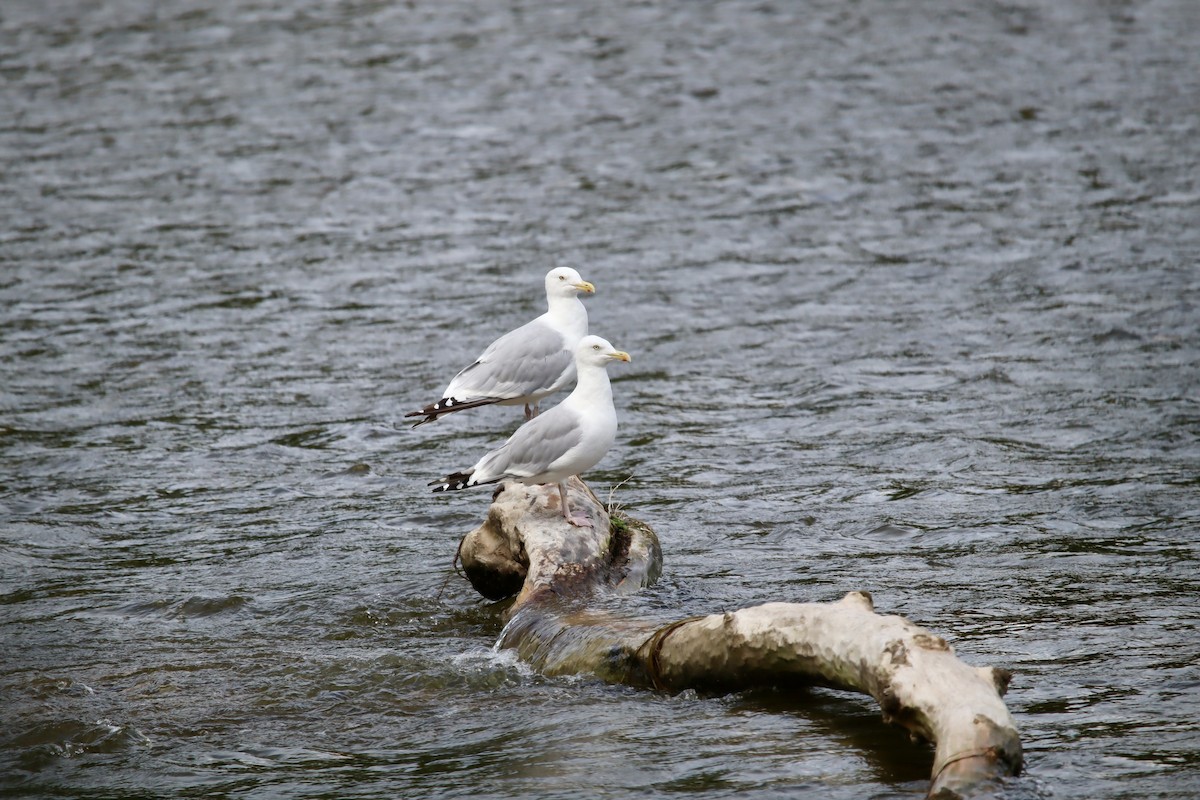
[(566, 440), (527, 364)]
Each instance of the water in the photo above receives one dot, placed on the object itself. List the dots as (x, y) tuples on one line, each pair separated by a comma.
[(912, 295)]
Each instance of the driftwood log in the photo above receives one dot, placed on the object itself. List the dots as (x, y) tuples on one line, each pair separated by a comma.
[(525, 548)]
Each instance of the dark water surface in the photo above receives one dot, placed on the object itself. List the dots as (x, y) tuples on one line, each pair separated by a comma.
[(913, 297)]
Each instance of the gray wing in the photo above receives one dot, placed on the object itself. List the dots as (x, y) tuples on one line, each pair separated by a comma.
[(529, 360), (535, 446)]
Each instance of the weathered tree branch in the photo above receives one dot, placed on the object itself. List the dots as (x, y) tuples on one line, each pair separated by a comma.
[(527, 549)]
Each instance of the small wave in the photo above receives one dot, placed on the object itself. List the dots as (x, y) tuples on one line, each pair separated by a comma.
[(45, 687), (191, 608), (210, 606), (492, 658), (891, 531), (47, 742)]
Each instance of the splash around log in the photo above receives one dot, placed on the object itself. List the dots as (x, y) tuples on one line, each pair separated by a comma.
[(526, 549)]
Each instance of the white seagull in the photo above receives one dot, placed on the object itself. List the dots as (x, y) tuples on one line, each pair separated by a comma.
[(566, 440), (527, 364)]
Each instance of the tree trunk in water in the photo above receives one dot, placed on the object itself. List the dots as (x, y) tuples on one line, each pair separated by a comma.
[(526, 548)]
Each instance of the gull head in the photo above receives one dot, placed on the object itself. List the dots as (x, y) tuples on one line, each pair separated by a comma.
[(593, 350), (566, 282)]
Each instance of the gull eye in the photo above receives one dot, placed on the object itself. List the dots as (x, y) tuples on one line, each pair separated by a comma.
[(562, 277), (595, 347)]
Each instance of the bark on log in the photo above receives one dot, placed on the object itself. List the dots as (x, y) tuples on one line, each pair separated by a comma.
[(526, 548)]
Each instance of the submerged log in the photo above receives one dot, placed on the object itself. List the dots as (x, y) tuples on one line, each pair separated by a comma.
[(525, 548)]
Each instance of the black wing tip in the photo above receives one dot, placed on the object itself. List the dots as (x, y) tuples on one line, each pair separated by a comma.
[(452, 482), (447, 405), (434, 410)]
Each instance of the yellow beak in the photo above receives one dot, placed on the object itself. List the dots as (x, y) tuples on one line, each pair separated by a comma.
[(619, 355), (584, 286)]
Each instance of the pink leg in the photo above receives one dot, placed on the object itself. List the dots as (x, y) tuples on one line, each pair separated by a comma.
[(529, 412), (580, 521)]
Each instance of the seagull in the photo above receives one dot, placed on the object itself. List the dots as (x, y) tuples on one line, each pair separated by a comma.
[(566, 440), (527, 364)]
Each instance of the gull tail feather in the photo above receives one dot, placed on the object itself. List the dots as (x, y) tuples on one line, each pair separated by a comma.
[(448, 405)]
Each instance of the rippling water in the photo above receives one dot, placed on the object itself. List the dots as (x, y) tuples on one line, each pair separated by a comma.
[(912, 295)]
